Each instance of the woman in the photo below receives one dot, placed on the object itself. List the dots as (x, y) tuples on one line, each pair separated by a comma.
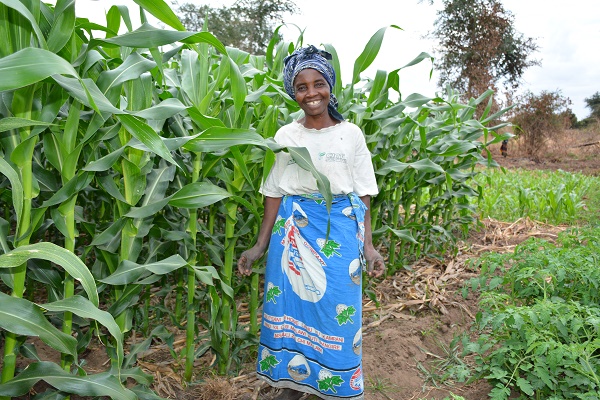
[(311, 337)]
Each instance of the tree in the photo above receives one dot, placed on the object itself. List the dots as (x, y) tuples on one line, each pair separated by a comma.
[(247, 24), (593, 103), (539, 118), (479, 47)]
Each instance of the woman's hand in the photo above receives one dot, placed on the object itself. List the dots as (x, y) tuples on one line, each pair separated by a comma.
[(375, 263), (248, 258)]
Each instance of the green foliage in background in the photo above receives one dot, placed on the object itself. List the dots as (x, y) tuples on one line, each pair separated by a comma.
[(538, 332), (553, 197), (129, 169)]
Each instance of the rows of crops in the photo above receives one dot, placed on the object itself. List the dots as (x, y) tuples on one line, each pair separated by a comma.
[(129, 168), (555, 197)]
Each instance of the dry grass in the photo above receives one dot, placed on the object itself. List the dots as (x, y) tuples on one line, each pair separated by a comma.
[(568, 144)]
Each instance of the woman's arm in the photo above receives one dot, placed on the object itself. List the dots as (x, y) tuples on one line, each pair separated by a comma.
[(249, 256), (375, 263)]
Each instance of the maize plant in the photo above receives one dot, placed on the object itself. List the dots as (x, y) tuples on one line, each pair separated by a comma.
[(129, 170), (553, 197)]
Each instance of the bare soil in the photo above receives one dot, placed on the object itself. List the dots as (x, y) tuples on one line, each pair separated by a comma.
[(420, 310)]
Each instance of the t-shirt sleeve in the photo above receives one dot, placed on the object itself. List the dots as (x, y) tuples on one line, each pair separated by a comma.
[(271, 187), (363, 172)]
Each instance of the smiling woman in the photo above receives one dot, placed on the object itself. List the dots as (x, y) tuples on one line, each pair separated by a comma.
[(312, 95), (311, 337)]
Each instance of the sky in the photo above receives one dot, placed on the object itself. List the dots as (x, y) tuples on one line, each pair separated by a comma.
[(564, 32)]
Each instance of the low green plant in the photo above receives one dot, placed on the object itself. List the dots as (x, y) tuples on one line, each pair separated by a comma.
[(447, 368), (381, 385), (538, 331), (547, 350), (538, 269)]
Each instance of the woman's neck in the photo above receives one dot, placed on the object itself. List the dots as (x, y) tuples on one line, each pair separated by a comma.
[(320, 122)]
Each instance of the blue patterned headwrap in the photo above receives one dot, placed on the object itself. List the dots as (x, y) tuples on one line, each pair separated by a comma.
[(311, 57)]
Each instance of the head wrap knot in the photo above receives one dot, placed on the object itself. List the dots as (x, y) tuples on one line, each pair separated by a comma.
[(311, 57)]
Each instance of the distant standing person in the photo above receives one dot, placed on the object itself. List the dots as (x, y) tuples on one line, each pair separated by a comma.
[(311, 339), (504, 148)]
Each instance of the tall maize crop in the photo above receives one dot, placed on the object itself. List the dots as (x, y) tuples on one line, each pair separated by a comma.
[(129, 169)]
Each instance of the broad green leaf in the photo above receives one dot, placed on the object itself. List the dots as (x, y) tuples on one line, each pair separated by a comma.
[(221, 138), (154, 196), (206, 274), (133, 66), (451, 148), (241, 166), (390, 112), (238, 86), (162, 11), (24, 11), (525, 386), (426, 165), (113, 19), (192, 79), (108, 184), (86, 92), (157, 183), (103, 384), (302, 158), (335, 62), (144, 393), (378, 89), (58, 255), (63, 26), (129, 271), (138, 375), (85, 309), (4, 231), (403, 234), (129, 297), (105, 163), (23, 317), (9, 123), (16, 189), (391, 165), (198, 195), (148, 209), (418, 59), (29, 66), (171, 143), (145, 134), (163, 110), (74, 186), (147, 36), (369, 53), (416, 100), (203, 121)]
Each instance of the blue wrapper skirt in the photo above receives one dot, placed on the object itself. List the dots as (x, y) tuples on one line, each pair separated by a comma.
[(311, 337)]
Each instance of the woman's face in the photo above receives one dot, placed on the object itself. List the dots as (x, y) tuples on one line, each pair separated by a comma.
[(312, 92)]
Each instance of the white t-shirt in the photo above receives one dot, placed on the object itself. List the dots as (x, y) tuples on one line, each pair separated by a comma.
[(339, 152)]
